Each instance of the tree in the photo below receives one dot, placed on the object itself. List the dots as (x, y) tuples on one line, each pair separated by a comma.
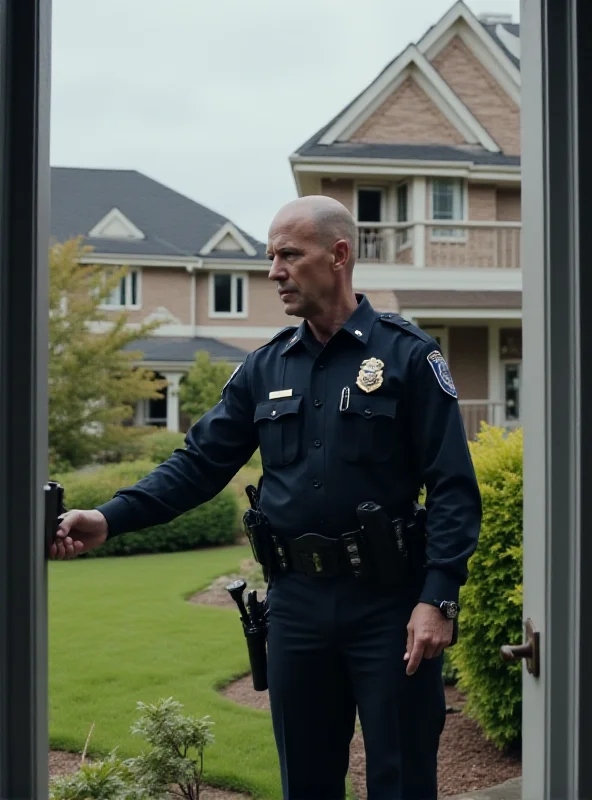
[(201, 388), (93, 383)]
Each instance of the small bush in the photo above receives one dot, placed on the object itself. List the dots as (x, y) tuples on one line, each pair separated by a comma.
[(213, 523), (492, 598), (172, 767), (159, 446)]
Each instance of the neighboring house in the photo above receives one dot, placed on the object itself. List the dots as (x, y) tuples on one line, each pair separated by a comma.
[(189, 267), (427, 158)]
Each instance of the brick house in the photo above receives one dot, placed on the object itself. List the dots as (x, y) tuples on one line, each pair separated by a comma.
[(427, 158), (189, 267)]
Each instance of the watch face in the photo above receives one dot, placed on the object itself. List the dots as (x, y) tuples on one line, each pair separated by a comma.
[(450, 609)]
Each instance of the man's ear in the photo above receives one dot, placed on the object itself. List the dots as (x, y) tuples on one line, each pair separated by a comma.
[(341, 253)]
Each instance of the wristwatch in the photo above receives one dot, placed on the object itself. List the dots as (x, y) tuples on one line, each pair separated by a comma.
[(448, 608)]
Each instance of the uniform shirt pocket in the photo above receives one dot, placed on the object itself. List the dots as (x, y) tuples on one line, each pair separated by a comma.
[(367, 429), (279, 427)]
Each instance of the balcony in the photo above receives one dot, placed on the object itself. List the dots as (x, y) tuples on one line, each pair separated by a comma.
[(441, 244)]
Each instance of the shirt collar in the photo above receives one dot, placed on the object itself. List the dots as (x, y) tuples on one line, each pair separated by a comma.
[(358, 325)]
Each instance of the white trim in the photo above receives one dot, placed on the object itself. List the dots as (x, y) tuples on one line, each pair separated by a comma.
[(174, 262), (493, 361), (488, 52), (118, 259), (429, 80), (163, 315), (228, 229), (127, 306), (234, 276), (117, 217), (376, 166), (462, 313), (396, 277), (418, 212)]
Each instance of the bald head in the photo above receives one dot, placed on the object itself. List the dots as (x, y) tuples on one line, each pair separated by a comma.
[(329, 218)]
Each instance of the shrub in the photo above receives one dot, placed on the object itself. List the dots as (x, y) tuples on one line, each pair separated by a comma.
[(212, 523), (158, 446), (492, 598), (172, 767)]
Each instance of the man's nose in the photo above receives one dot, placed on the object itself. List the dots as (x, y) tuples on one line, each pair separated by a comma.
[(277, 272)]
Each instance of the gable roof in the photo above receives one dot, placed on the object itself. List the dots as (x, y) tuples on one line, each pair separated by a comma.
[(171, 224), (389, 80), (507, 36), (322, 142)]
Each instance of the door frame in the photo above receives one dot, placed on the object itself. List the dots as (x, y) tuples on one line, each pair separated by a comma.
[(556, 65)]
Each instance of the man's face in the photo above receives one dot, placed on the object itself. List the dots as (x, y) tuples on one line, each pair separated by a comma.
[(302, 266)]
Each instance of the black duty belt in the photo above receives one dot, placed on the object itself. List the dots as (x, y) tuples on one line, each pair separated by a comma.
[(350, 554)]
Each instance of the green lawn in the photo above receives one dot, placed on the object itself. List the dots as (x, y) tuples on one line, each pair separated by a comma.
[(121, 630)]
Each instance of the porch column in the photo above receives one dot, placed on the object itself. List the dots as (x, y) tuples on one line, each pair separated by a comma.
[(418, 206), (173, 380), (494, 375)]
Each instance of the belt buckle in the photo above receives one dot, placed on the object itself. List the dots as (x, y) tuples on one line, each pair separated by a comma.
[(317, 555)]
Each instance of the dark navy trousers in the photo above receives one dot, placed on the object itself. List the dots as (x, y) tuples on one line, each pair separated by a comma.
[(335, 647)]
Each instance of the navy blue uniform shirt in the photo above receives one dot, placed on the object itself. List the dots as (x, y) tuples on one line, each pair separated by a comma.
[(371, 415)]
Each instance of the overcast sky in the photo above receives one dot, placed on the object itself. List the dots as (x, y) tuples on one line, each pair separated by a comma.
[(210, 97)]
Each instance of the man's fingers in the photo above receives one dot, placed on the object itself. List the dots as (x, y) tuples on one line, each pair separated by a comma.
[(415, 657)]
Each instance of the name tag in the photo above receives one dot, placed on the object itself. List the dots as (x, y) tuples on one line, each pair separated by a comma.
[(280, 393)]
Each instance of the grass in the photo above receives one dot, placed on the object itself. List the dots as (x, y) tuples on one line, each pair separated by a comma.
[(121, 631)]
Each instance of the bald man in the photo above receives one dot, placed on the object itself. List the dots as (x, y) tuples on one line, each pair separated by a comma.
[(354, 412)]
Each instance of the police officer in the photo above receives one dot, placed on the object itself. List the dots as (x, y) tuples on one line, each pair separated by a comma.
[(348, 407)]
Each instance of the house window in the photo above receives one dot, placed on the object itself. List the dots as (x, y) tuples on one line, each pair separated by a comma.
[(126, 294), (448, 203), (403, 234), (228, 295), (440, 334)]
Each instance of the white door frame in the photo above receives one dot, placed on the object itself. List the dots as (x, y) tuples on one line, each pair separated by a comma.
[(557, 708)]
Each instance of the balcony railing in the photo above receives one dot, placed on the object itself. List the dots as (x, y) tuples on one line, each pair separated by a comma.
[(474, 412), (439, 243)]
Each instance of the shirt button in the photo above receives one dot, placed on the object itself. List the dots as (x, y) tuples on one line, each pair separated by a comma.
[(316, 484), (318, 403), (317, 443), (321, 366), (367, 411)]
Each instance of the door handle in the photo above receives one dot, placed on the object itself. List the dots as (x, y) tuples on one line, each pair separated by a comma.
[(529, 650)]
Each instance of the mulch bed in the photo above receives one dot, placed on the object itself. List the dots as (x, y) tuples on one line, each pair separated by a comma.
[(466, 760)]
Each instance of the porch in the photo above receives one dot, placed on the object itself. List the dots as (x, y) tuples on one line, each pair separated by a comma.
[(485, 359)]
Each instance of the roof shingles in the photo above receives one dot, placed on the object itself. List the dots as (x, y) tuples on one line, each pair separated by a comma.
[(172, 223)]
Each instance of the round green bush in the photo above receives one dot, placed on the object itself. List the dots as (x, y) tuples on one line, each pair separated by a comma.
[(491, 600), (158, 446), (213, 523)]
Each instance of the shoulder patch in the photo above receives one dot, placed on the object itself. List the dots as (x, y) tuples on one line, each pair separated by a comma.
[(438, 363), (405, 325)]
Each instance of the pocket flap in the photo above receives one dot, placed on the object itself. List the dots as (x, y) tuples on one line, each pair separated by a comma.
[(371, 406), (274, 409)]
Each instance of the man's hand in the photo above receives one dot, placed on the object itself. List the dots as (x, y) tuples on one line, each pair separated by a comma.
[(78, 532), (428, 634)]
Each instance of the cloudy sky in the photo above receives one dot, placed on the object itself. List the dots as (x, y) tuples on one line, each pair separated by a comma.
[(210, 97)]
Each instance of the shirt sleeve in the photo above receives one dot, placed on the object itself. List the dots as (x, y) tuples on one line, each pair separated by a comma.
[(216, 447), (453, 502)]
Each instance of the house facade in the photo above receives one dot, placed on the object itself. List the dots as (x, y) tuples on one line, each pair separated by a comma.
[(189, 267), (427, 159)]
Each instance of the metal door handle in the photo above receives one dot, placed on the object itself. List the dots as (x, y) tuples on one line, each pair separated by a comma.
[(529, 650)]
